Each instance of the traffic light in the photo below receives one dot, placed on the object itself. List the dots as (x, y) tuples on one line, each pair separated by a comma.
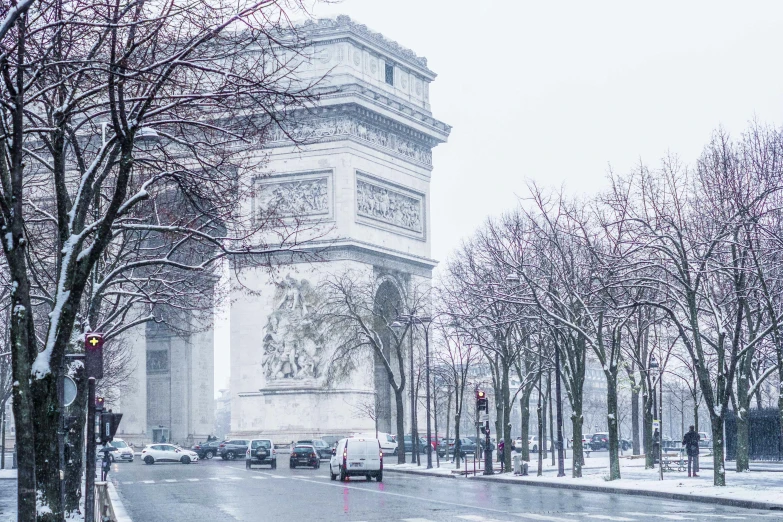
[(481, 401), (93, 349), (485, 430), (99, 403), (109, 424)]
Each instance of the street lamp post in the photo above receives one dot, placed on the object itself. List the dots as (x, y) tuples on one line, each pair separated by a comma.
[(412, 319)]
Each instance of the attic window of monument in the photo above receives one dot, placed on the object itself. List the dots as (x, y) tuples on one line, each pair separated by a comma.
[(390, 74)]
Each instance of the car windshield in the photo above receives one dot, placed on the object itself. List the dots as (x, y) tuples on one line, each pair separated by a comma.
[(303, 450), (119, 444), (261, 444)]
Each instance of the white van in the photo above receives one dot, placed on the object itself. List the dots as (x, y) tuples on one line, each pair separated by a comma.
[(387, 440), (356, 456)]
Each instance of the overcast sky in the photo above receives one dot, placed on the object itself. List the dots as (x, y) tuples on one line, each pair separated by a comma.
[(557, 92)]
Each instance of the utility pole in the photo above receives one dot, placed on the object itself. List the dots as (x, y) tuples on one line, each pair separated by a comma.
[(429, 430), (89, 496)]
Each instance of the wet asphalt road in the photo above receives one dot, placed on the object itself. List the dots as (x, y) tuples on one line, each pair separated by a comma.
[(221, 491)]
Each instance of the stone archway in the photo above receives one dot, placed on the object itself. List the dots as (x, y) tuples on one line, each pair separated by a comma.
[(387, 306)]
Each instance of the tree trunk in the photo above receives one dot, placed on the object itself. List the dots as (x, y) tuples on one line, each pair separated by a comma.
[(543, 423), (635, 420), (46, 420), (540, 420), (743, 425), (506, 426), (551, 418), (399, 399), (576, 422), (612, 415), (719, 473), (524, 409), (457, 456), (74, 454)]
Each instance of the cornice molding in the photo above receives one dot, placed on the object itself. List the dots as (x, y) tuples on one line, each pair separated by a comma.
[(343, 23)]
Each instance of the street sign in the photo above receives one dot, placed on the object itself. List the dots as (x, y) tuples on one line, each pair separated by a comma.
[(69, 391), (93, 348), (656, 425), (484, 417)]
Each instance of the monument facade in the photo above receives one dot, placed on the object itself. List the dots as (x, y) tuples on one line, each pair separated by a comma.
[(361, 172)]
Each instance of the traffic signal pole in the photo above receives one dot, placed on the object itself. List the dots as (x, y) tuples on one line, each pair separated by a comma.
[(89, 497)]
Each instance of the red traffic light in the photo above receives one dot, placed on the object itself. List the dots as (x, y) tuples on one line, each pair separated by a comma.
[(99, 403), (480, 394)]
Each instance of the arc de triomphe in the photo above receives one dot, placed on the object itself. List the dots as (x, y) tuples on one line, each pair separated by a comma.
[(365, 171)]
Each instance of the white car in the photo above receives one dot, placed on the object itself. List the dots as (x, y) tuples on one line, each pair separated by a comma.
[(533, 444), (167, 453), (124, 452), (357, 456), (386, 440)]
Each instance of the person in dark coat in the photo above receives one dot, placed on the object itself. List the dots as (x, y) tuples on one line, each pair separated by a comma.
[(690, 441)]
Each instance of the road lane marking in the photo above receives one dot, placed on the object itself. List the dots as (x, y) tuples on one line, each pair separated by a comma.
[(233, 478), (259, 478), (544, 518), (417, 520), (215, 478), (477, 518), (148, 481), (609, 517), (169, 480), (657, 515), (193, 480), (128, 482)]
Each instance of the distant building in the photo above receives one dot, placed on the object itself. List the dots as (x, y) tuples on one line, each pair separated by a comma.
[(223, 414)]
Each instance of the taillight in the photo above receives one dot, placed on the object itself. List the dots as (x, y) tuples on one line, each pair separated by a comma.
[(312, 455), (222, 446), (247, 453)]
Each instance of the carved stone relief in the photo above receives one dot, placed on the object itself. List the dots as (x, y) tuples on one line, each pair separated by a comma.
[(301, 197), (389, 206), (357, 57), (344, 125), (293, 342)]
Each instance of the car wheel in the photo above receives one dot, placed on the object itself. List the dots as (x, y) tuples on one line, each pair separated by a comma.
[(230, 455), (149, 460), (274, 464), (395, 451), (247, 464), (185, 459), (332, 475), (379, 476), (343, 476), (369, 477), (209, 455), (291, 465)]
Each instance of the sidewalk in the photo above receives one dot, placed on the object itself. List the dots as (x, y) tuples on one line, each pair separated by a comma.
[(759, 490)]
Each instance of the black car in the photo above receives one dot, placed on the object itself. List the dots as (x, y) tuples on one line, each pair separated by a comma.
[(305, 455), (599, 441), (231, 449), (422, 445), (321, 447), (466, 446), (482, 441), (207, 450)]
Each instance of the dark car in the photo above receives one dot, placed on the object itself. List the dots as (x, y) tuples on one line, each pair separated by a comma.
[(305, 455), (599, 441), (321, 447), (207, 450), (481, 441), (231, 449), (422, 444), (466, 446), (261, 452)]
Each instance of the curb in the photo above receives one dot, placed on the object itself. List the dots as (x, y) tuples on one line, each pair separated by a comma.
[(116, 504), (749, 504), (420, 473)]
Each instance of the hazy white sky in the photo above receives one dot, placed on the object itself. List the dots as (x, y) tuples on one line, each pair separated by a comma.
[(557, 91)]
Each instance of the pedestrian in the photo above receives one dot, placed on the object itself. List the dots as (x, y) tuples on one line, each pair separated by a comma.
[(656, 446), (690, 442), (105, 465), (501, 448), (163, 438)]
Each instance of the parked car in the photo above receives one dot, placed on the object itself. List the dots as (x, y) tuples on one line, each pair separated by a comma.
[(357, 456), (167, 453), (231, 449), (482, 440), (321, 447), (599, 441), (422, 445), (207, 450), (533, 444), (304, 455), (124, 452), (626, 444), (387, 441), (705, 441), (261, 451), (466, 446)]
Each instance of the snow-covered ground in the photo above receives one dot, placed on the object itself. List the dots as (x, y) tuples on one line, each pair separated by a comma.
[(7, 473), (761, 486)]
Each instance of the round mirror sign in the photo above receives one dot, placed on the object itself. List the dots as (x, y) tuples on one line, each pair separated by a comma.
[(69, 391)]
